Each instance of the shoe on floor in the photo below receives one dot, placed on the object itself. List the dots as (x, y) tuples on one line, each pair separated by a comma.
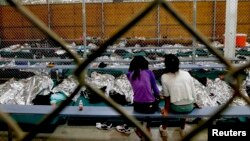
[(163, 132), (124, 129), (104, 125)]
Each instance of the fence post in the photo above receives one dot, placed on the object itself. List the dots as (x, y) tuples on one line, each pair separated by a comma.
[(194, 26), (103, 21), (49, 14), (214, 20), (158, 25), (84, 27), (230, 28)]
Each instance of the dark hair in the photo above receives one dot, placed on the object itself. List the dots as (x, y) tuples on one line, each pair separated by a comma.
[(138, 63), (171, 63)]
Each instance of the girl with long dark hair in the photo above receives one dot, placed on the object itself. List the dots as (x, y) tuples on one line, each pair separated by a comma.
[(145, 89), (144, 86)]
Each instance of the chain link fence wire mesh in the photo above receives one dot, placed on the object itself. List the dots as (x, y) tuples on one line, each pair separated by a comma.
[(3, 136), (157, 25)]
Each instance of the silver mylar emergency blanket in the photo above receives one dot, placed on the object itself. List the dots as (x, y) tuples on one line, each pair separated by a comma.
[(67, 86), (101, 80), (202, 95), (217, 92), (22, 92), (123, 87), (120, 84)]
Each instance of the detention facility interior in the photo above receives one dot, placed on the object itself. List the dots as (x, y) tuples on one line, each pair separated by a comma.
[(46, 46)]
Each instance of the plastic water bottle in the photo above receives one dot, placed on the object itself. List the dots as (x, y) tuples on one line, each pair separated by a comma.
[(80, 107)]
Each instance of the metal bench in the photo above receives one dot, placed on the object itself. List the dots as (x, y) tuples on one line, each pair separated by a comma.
[(100, 112), (97, 113)]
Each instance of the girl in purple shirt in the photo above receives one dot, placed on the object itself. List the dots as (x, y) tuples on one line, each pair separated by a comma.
[(144, 87)]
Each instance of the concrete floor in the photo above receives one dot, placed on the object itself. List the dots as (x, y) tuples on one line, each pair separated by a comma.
[(91, 133)]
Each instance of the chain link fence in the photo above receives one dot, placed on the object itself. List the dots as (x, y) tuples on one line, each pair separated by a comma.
[(87, 25), (92, 26)]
